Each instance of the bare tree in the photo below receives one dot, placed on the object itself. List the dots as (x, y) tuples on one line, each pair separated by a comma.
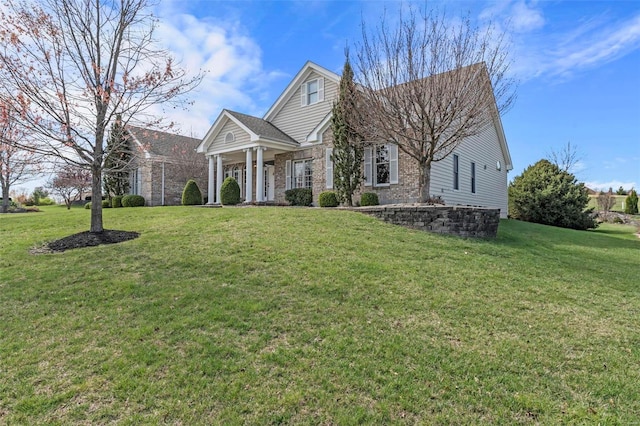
[(187, 164), (18, 163), (606, 200), (430, 83), (567, 158), (75, 65), (70, 183)]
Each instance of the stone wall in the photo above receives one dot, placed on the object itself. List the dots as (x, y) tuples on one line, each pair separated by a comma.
[(454, 220)]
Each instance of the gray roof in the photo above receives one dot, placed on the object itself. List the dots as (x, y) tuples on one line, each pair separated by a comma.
[(263, 128), (162, 143)]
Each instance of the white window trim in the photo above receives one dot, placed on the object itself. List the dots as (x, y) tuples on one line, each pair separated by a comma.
[(370, 172), (304, 91), (293, 176), (329, 168)]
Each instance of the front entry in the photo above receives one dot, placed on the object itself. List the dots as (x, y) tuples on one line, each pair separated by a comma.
[(269, 182)]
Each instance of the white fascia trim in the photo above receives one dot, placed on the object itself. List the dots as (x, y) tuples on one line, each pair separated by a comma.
[(316, 134), (293, 85), (503, 141), (217, 127), (266, 143)]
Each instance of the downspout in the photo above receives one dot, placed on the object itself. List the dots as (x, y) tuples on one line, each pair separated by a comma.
[(162, 196)]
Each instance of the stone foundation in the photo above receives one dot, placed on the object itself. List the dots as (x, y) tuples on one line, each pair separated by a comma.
[(474, 222)]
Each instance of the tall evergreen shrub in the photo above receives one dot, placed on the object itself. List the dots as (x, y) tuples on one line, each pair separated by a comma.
[(230, 192), (191, 195)]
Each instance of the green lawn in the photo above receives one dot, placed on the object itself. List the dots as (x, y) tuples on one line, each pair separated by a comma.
[(617, 207), (313, 316)]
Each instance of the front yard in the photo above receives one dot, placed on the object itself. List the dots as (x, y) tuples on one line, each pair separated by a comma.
[(314, 316)]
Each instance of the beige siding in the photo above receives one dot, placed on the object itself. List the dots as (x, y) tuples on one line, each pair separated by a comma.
[(491, 184), (241, 137), (298, 121)]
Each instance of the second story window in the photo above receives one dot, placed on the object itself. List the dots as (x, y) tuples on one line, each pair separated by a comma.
[(312, 91)]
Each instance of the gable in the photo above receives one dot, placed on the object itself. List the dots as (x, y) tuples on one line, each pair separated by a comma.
[(229, 135), (293, 113)]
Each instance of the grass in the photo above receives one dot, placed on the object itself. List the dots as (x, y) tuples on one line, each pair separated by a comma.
[(312, 316), (617, 207)]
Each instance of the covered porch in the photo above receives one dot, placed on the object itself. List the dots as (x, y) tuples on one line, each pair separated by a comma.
[(253, 168)]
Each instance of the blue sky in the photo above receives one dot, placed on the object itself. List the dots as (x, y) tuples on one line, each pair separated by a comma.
[(577, 62)]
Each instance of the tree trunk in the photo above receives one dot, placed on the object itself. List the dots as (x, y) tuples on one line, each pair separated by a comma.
[(5, 199), (425, 181), (96, 199)]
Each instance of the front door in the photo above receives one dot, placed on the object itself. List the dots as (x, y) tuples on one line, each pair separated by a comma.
[(269, 182)]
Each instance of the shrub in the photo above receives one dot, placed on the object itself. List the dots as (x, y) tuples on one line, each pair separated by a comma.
[(299, 196), (369, 199), (116, 201), (106, 204), (133, 201), (230, 192), (46, 201), (631, 203), (546, 194), (191, 195), (87, 206), (328, 199)]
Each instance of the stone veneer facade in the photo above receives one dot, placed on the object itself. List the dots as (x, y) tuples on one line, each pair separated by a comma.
[(453, 220)]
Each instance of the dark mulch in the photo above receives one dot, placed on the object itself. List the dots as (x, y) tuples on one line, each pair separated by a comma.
[(90, 239)]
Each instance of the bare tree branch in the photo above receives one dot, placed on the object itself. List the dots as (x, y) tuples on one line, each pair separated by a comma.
[(74, 65), (427, 84)]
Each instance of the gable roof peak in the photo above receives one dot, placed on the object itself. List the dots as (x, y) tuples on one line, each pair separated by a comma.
[(295, 82)]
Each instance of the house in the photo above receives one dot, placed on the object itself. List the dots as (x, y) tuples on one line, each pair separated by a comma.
[(291, 146), (163, 164)]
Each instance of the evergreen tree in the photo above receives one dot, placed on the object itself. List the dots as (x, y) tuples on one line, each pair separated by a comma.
[(348, 148), (117, 162), (545, 194), (631, 202)]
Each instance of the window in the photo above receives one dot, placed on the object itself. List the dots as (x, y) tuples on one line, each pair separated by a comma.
[(456, 176), (302, 176), (473, 177), (229, 137), (312, 92), (381, 165)]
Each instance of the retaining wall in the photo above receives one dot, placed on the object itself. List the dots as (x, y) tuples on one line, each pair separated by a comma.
[(454, 220)]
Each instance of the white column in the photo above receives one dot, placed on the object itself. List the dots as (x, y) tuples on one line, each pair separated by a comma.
[(249, 186), (210, 187), (259, 176), (218, 177)]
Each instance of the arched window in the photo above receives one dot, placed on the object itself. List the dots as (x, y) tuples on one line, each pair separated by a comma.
[(229, 137)]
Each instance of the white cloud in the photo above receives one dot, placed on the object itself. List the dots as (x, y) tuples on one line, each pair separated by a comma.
[(588, 42), (614, 184), (232, 62)]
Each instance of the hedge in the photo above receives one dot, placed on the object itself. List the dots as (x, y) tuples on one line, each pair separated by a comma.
[(299, 196), (133, 201)]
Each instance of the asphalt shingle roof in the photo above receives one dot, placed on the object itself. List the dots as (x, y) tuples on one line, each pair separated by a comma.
[(162, 143)]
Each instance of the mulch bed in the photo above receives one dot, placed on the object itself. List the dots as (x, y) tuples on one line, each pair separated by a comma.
[(86, 239)]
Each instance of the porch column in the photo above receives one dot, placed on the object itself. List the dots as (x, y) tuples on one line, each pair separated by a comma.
[(218, 177), (249, 187), (259, 176), (210, 187)]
